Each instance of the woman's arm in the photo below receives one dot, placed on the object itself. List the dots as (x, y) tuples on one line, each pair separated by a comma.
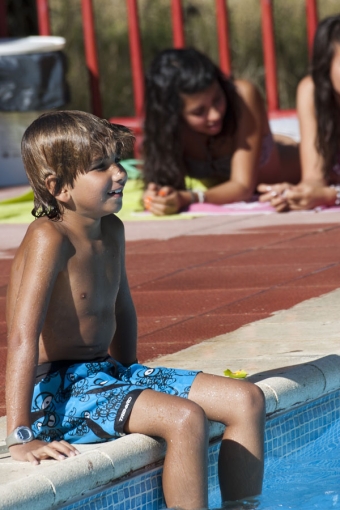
[(244, 162), (311, 160), (247, 148), (313, 190)]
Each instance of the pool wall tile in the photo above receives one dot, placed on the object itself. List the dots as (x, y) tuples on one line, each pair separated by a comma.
[(285, 434)]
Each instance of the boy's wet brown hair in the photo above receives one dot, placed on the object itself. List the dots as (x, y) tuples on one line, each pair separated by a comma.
[(64, 144)]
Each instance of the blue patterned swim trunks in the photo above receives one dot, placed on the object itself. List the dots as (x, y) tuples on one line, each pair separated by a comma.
[(90, 402)]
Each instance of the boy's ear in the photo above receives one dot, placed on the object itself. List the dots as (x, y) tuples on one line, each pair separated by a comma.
[(51, 183)]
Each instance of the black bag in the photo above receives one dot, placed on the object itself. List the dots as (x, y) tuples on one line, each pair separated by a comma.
[(33, 81)]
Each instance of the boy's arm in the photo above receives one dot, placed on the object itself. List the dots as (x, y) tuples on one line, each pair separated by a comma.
[(123, 347), (42, 257)]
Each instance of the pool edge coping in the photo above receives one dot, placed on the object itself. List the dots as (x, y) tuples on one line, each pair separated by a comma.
[(48, 486)]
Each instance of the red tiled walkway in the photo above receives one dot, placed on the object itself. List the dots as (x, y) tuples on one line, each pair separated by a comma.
[(190, 288)]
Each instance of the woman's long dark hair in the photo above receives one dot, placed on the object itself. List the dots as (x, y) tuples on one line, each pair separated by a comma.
[(172, 72), (326, 107)]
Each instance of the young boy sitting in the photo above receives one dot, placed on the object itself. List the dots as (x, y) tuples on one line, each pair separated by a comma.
[(72, 373)]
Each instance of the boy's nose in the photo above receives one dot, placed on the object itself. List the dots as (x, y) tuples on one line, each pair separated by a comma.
[(119, 173)]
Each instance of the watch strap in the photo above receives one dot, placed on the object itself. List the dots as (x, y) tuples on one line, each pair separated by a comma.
[(4, 449), (12, 439)]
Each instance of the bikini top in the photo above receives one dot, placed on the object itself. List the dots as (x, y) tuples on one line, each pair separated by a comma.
[(220, 169)]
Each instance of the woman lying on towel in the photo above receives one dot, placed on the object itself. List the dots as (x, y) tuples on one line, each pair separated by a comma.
[(203, 126), (318, 108)]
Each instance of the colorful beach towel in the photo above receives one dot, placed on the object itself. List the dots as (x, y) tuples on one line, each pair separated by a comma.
[(18, 209)]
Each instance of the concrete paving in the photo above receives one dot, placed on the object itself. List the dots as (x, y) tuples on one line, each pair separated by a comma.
[(302, 334)]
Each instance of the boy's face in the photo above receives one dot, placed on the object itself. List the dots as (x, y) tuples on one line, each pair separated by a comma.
[(99, 191)]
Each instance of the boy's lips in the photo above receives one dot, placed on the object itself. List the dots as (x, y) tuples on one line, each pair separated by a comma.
[(116, 192)]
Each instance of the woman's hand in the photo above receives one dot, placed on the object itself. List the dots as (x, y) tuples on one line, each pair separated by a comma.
[(37, 450), (308, 196), (276, 194), (165, 200), (303, 196)]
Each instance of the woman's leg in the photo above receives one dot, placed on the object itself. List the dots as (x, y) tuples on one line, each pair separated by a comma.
[(240, 405), (184, 426)]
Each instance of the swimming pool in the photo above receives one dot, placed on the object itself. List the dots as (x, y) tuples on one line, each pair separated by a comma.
[(302, 467), (302, 449)]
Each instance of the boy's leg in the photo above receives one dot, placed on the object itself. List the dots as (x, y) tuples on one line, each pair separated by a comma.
[(240, 406), (183, 425)]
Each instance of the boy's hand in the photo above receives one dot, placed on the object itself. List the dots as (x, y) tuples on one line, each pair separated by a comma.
[(37, 450)]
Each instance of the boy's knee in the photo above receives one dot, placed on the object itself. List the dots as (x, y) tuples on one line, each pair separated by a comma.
[(253, 400), (192, 418), (249, 405)]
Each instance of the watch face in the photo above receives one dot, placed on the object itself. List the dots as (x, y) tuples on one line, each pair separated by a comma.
[(24, 434)]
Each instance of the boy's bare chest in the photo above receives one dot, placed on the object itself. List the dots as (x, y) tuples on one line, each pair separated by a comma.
[(92, 280)]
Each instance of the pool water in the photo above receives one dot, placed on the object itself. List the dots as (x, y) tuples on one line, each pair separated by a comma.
[(302, 467), (306, 479)]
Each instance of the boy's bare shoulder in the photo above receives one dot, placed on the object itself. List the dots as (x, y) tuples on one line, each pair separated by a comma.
[(44, 235), (46, 229), (114, 226)]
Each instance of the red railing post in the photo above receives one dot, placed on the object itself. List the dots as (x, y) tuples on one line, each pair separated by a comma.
[(136, 56), (177, 24), (3, 19), (223, 35), (312, 23), (269, 54), (43, 17), (91, 55)]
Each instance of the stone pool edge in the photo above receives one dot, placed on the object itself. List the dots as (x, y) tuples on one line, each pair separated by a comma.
[(52, 485)]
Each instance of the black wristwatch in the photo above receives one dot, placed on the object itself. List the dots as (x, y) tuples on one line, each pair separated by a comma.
[(20, 435)]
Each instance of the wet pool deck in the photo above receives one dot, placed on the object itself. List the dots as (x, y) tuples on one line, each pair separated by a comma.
[(253, 292)]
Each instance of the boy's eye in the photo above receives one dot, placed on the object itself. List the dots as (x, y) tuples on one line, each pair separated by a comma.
[(99, 164), (101, 167), (104, 164)]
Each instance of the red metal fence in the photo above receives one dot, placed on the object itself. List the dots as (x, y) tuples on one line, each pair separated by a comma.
[(268, 42)]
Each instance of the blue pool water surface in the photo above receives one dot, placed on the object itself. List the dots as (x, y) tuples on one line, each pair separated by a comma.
[(304, 480), (302, 467)]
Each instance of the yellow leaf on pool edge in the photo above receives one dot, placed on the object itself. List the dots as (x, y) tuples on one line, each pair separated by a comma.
[(239, 374)]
